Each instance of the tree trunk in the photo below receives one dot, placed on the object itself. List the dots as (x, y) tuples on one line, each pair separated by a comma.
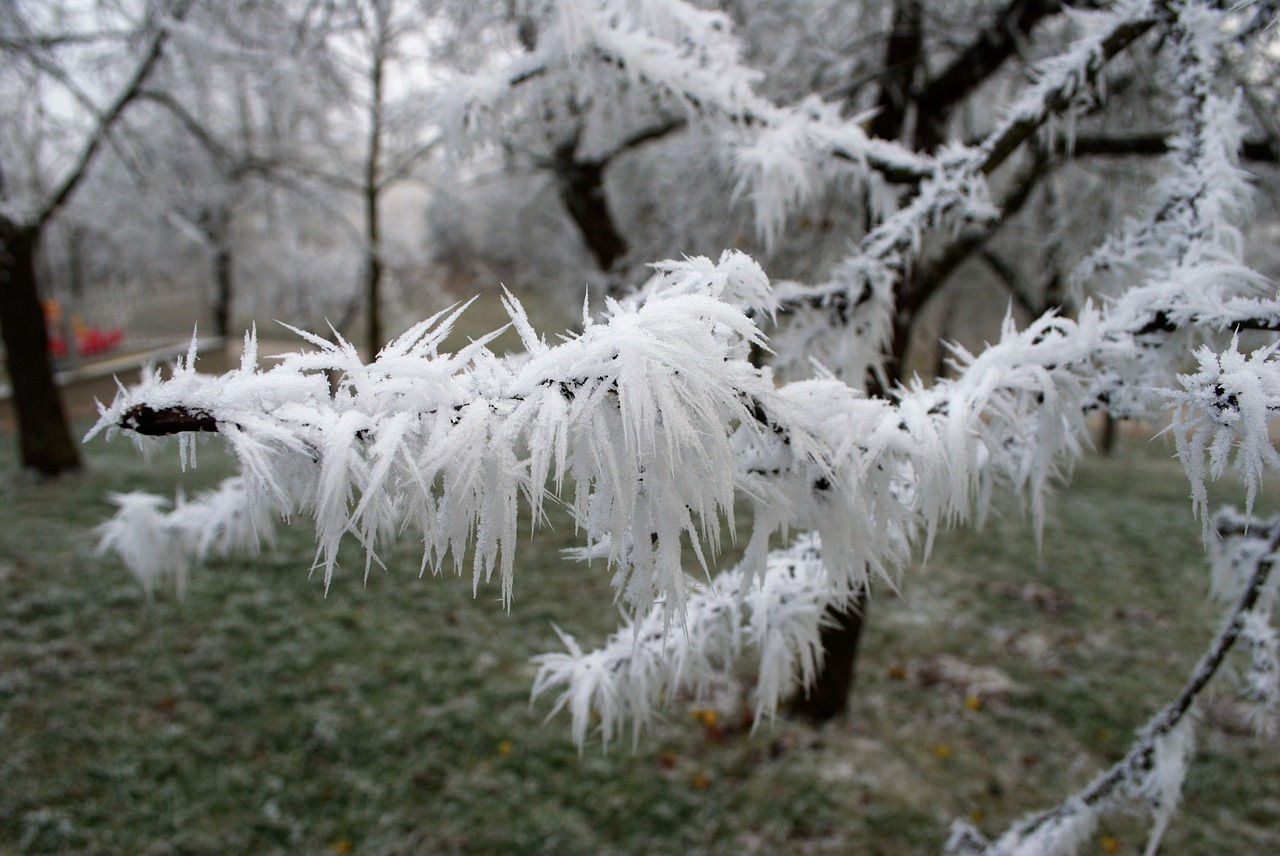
[(901, 62), (933, 103), (373, 276), (215, 224), (372, 188), (582, 189), (1107, 442), (828, 698), (222, 289), (583, 195), (44, 437)]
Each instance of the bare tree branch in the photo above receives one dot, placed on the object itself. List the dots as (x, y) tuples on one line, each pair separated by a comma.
[(1009, 279), (643, 136), (47, 41), (167, 421), (975, 64), (1089, 145), (128, 92)]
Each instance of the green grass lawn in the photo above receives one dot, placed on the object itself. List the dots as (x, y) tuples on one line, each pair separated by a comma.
[(257, 715)]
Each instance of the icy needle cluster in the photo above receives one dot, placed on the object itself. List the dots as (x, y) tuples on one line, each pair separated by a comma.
[(637, 416), (159, 543), (624, 682)]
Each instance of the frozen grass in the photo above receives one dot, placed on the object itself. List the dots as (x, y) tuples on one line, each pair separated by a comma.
[(257, 716)]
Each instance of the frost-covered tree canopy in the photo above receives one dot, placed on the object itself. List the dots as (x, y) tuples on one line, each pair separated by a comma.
[(654, 419)]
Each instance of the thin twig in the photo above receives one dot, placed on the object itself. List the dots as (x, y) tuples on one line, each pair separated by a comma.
[(1140, 758)]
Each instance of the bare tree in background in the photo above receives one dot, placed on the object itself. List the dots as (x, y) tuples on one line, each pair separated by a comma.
[(39, 172)]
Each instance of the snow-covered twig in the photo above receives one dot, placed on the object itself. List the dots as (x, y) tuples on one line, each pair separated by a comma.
[(156, 545), (777, 615), (1152, 771)]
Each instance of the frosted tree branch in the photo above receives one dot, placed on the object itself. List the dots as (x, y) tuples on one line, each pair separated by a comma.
[(157, 545), (775, 615), (957, 182), (640, 414)]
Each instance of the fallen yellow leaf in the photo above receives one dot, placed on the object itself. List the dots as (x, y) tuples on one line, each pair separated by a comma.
[(707, 716)]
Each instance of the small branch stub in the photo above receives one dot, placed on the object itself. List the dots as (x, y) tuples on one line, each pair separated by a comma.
[(150, 422)]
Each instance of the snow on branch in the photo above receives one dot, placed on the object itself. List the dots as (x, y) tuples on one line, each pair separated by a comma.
[(952, 191), (1198, 205), (890, 473), (410, 438), (783, 154), (1193, 286), (688, 54), (1068, 81), (1240, 546), (656, 420), (1150, 775), (1190, 250), (1222, 416)]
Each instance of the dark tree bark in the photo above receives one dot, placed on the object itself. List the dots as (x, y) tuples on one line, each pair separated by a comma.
[(901, 62), (372, 188), (994, 46), (828, 698), (1107, 440), (214, 224), (582, 191), (44, 438), (223, 290)]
